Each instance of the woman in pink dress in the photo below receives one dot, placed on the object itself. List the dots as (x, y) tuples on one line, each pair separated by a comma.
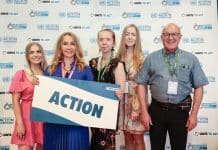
[(27, 134)]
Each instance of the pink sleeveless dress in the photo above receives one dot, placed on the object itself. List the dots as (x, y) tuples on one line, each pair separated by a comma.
[(34, 130)]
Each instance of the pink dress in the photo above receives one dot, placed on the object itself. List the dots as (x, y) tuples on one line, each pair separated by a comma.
[(34, 130)]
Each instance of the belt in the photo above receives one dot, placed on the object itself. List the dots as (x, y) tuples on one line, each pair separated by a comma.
[(183, 105)]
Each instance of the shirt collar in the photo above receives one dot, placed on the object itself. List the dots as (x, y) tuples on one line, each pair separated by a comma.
[(170, 54)]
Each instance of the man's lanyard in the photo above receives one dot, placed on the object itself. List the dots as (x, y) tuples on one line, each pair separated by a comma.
[(101, 75), (171, 68), (71, 72)]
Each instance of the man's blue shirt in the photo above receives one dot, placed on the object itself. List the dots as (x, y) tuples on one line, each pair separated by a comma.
[(188, 74)]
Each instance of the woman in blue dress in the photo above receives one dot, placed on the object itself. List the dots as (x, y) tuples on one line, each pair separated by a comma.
[(67, 63)]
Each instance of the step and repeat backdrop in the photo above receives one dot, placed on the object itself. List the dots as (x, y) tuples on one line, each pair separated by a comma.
[(23, 21)]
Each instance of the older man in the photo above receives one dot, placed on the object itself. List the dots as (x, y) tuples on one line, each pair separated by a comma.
[(171, 73)]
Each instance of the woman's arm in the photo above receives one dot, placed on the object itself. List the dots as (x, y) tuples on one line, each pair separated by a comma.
[(18, 115), (120, 78)]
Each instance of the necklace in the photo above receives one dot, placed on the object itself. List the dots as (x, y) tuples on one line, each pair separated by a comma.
[(67, 70), (32, 73), (101, 72)]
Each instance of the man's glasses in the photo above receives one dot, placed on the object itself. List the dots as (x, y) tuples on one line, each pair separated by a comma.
[(167, 35)]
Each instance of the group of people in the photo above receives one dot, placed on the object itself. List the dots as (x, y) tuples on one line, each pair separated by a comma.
[(171, 73)]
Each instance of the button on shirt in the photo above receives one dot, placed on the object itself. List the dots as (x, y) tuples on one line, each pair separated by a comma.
[(188, 74)]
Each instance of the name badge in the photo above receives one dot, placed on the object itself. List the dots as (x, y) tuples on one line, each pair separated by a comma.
[(126, 87), (172, 87)]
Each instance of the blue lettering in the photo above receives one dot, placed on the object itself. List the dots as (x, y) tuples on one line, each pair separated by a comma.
[(76, 104), (74, 99), (62, 100), (87, 107), (55, 98), (97, 111), (79, 105)]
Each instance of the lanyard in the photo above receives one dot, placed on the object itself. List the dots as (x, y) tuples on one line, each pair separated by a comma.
[(71, 72), (171, 68), (101, 75)]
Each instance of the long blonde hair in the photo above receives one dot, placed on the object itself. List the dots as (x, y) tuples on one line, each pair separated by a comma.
[(43, 63), (137, 51), (58, 57)]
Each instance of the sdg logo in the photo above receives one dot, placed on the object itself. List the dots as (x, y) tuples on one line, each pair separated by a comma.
[(8, 106), (79, 2), (202, 27), (196, 146), (8, 39), (109, 3), (193, 40), (6, 147), (69, 14), (157, 40), (203, 120), (111, 26), (54, 27), (15, 26), (6, 120), (209, 105), (49, 52), (39, 13), (144, 27), (16, 1), (161, 15), (131, 15), (6, 65), (171, 2), (200, 2), (211, 78), (6, 79), (93, 40)]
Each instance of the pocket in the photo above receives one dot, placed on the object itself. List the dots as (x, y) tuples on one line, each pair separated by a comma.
[(183, 73)]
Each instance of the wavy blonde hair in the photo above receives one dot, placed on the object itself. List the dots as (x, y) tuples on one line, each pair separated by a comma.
[(58, 56), (43, 63), (137, 51)]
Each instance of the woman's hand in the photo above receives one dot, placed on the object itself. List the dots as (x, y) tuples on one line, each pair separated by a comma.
[(21, 131), (35, 81), (134, 115), (119, 93)]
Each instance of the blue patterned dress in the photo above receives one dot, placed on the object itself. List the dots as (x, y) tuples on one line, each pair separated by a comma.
[(67, 137)]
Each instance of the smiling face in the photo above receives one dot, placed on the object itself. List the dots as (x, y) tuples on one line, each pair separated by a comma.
[(130, 37), (106, 41), (171, 37), (34, 55), (68, 46)]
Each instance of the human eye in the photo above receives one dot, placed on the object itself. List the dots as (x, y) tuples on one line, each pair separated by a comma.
[(108, 39), (166, 34), (73, 43), (176, 34), (30, 52), (100, 39), (39, 51), (64, 43), (127, 33), (133, 34)]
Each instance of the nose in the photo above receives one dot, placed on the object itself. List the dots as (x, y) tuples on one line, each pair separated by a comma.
[(171, 36), (68, 46), (104, 41)]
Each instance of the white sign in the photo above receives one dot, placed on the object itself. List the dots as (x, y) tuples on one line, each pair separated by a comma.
[(75, 102)]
